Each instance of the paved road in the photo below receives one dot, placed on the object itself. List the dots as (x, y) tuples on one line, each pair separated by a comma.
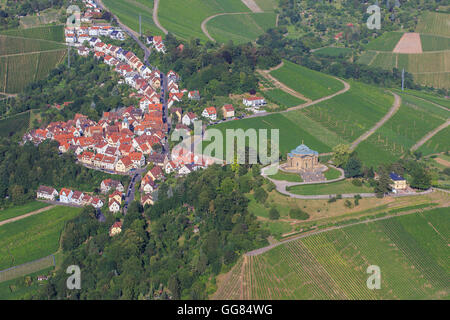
[(394, 109), (129, 195), (155, 17), (133, 34), (430, 135)]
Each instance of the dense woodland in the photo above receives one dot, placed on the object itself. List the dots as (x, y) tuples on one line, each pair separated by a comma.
[(158, 254)]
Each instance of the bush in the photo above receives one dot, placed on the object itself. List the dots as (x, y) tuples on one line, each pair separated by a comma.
[(260, 195), (446, 171), (274, 214), (333, 199), (357, 182), (298, 214), (348, 203)]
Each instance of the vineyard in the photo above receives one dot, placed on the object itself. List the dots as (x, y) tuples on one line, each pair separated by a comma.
[(438, 143), (51, 33), (410, 250), (16, 45)]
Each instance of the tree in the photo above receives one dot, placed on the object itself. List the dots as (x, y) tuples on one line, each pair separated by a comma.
[(383, 185), (274, 214), (341, 154), (353, 168), (421, 179), (174, 287), (260, 195)]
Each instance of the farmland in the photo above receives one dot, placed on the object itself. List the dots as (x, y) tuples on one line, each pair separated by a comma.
[(185, 20), (33, 237), (386, 42), (414, 120), (333, 51), (128, 12), (240, 28), (339, 187), (310, 83), (16, 211), (283, 99), (434, 43), (16, 45), (52, 33), (332, 265), (17, 289), (434, 23), (438, 143)]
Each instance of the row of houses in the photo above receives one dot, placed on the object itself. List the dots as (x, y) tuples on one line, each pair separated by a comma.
[(68, 196), (81, 34)]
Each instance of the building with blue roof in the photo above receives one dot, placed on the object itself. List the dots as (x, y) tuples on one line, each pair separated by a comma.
[(302, 158)]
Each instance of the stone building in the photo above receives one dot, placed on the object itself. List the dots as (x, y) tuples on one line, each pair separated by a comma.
[(301, 159)]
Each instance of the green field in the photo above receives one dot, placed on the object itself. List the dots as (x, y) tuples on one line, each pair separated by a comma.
[(310, 83), (286, 176), (267, 5), (386, 42), (15, 124), (283, 99), (184, 19), (16, 211), (240, 28), (438, 143), (434, 23), (367, 57), (17, 71), (45, 17), (16, 45), (440, 100), (333, 52), (291, 133), (434, 43), (128, 12), (411, 252), (352, 113), (413, 121), (332, 173), (34, 237), (339, 187), (52, 33), (17, 289)]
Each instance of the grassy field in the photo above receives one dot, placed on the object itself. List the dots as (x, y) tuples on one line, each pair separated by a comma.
[(16, 211), (434, 23), (438, 143), (411, 252), (339, 187), (128, 12), (332, 173), (33, 237), (291, 133), (52, 33), (267, 5), (240, 28), (17, 71), (333, 52), (440, 100), (185, 20), (386, 42), (434, 43), (17, 289), (16, 45), (283, 99), (44, 18), (367, 57), (413, 121), (310, 83), (286, 176)]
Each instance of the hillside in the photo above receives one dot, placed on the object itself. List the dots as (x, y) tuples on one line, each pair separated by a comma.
[(332, 265)]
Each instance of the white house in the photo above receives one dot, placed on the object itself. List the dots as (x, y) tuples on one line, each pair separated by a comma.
[(65, 195), (210, 113), (77, 197), (47, 193), (170, 167), (254, 102), (188, 118), (114, 205), (97, 203)]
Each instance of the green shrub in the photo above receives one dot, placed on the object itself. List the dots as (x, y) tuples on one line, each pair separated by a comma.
[(357, 182), (298, 214), (274, 214)]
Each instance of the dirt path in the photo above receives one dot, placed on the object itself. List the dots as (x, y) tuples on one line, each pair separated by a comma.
[(26, 215), (252, 6), (429, 135), (204, 22), (155, 17), (394, 109)]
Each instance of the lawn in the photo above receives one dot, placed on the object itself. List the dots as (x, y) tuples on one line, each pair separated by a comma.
[(240, 28), (340, 187), (286, 176), (332, 173), (291, 134), (411, 252), (386, 42), (184, 19), (434, 23), (312, 84), (413, 121), (34, 237), (16, 211), (281, 98), (128, 12)]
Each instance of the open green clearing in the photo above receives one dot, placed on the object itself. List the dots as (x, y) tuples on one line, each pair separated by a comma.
[(52, 33), (184, 19), (434, 43), (128, 12), (434, 23), (291, 133), (339, 187), (16, 211), (240, 28), (333, 52), (386, 42), (33, 237), (413, 120), (411, 251), (286, 176), (17, 289), (283, 99), (312, 84), (332, 173)]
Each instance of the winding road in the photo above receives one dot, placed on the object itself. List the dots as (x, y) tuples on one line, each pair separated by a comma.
[(204, 22), (430, 135), (155, 17)]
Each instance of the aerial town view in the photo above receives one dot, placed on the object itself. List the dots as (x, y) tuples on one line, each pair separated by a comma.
[(205, 151)]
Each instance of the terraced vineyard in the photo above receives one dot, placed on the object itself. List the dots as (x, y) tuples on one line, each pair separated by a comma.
[(16, 45), (52, 33), (386, 42), (240, 28), (410, 250), (434, 23), (310, 83), (413, 121)]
